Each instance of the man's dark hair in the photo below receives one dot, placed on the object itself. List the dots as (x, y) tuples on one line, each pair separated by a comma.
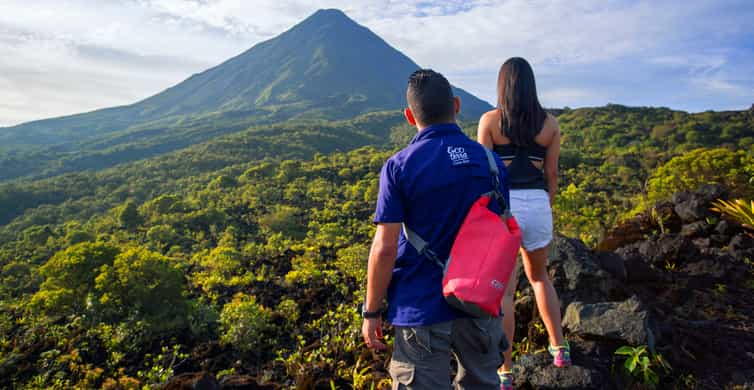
[(430, 97)]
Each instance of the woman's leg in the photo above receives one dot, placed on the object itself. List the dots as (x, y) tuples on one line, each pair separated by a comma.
[(535, 266), (509, 317)]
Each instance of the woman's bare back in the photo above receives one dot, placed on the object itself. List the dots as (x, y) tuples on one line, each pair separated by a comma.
[(490, 123)]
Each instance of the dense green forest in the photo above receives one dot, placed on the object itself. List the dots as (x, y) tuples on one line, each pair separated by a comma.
[(247, 253)]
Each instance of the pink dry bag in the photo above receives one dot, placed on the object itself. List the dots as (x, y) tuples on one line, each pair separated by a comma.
[(482, 257)]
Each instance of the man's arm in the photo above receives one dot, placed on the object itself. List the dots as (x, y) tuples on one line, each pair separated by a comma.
[(379, 272)]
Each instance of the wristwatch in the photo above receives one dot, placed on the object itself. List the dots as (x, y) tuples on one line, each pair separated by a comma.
[(369, 314)]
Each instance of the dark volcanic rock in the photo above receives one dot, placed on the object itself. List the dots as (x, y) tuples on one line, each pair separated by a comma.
[(537, 371), (741, 242), (577, 276), (695, 229), (702, 243), (719, 240), (637, 228), (694, 206), (192, 381), (667, 248), (613, 264), (625, 321), (691, 210), (637, 270), (725, 228)]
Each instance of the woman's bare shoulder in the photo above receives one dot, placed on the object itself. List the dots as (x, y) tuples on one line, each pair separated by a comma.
[(490, 120), (551, 124), (490, 116)]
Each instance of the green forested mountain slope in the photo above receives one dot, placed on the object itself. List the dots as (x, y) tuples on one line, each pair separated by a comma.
[(608, 154), (53, 200), (207, 257), (326, 67)]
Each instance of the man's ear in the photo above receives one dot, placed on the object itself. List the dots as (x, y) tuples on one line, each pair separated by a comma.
[(409, 116), (457, 101)]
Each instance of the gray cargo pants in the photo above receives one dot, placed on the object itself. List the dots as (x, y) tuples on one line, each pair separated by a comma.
[(421, 355)]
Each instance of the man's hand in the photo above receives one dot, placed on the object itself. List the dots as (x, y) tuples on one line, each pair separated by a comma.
[(371, 329)]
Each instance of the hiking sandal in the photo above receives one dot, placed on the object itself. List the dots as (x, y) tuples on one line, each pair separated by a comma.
[(561, 354)]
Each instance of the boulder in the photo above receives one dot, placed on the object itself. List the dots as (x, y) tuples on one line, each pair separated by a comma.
[(695, 229), (613, 264), (626, 233), (576, 275), (538, 372), (638, 271), (625, 322), (668, 248), (691, 207), (636, 229)]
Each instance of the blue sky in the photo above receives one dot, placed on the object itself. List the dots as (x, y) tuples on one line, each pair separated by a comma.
[(67, 57)]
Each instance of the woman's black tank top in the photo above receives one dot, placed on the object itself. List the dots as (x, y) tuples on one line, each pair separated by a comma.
[(522, 174)]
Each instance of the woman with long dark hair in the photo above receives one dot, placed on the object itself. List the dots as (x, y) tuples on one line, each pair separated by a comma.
[(527, 139)]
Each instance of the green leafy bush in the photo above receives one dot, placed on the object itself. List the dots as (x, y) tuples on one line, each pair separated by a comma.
[(244, 324), (702, 166), (142, 284), (70, 278)]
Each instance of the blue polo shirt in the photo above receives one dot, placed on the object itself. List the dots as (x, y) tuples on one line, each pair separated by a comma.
[(430, 186)]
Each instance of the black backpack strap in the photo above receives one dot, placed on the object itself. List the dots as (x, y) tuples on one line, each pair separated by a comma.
[(497, 191)]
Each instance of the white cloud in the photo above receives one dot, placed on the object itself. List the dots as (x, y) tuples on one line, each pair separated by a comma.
[(67, 57)]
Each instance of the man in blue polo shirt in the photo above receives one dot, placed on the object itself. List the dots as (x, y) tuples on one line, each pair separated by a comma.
[(430, 186)]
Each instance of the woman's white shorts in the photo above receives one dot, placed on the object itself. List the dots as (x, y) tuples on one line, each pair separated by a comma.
[(534, 216)]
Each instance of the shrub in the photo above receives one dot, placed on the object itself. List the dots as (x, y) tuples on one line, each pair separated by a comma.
[(244, 323), (352, 261), (702, 166), (145, 285), (70, 277), (128, 216), (221, 267), (284, 219), (163, 235), (288, 308)]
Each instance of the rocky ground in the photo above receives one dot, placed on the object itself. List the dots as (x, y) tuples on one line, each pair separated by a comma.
[(679, 281)]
